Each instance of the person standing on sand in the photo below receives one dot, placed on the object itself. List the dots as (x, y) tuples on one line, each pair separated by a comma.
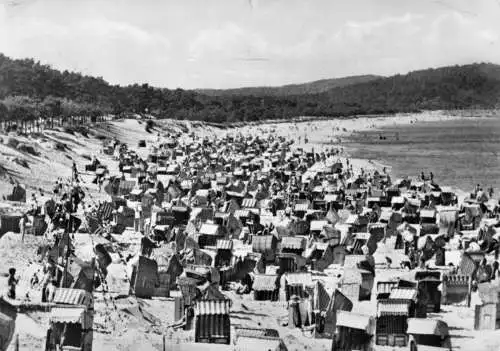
[(494, 270), (22, 225), (100, 181), (46, 281), (75, 171), (476, 189), (12, 283), (422, 263)]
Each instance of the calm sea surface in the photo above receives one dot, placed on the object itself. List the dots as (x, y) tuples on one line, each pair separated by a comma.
[(460, 153)]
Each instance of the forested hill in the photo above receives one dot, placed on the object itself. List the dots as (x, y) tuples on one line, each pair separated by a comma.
[(453, 87), (29, 90), (315, 87)]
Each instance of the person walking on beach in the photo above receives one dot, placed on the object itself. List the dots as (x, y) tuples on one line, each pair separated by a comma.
[(431, 176)]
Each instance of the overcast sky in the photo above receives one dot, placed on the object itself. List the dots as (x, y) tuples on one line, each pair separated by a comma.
[(233, 43)]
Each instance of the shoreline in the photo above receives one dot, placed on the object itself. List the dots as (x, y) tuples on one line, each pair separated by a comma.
[(470, 113), (327, 134), (338, 128)]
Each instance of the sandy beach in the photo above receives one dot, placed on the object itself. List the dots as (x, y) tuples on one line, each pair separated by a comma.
[(249, 175), (328, 134), (320, 135), (44, 168)]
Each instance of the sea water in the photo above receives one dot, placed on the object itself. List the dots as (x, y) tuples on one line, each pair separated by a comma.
[(460, 153)]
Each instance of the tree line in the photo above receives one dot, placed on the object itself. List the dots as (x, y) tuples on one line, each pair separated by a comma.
[(32, 91)]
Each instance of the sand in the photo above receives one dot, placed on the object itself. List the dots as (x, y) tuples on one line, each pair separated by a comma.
[(128, 327)]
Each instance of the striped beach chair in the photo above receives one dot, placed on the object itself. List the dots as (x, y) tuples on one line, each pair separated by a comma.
[(105, 211), (94, 225), (456, 288)]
